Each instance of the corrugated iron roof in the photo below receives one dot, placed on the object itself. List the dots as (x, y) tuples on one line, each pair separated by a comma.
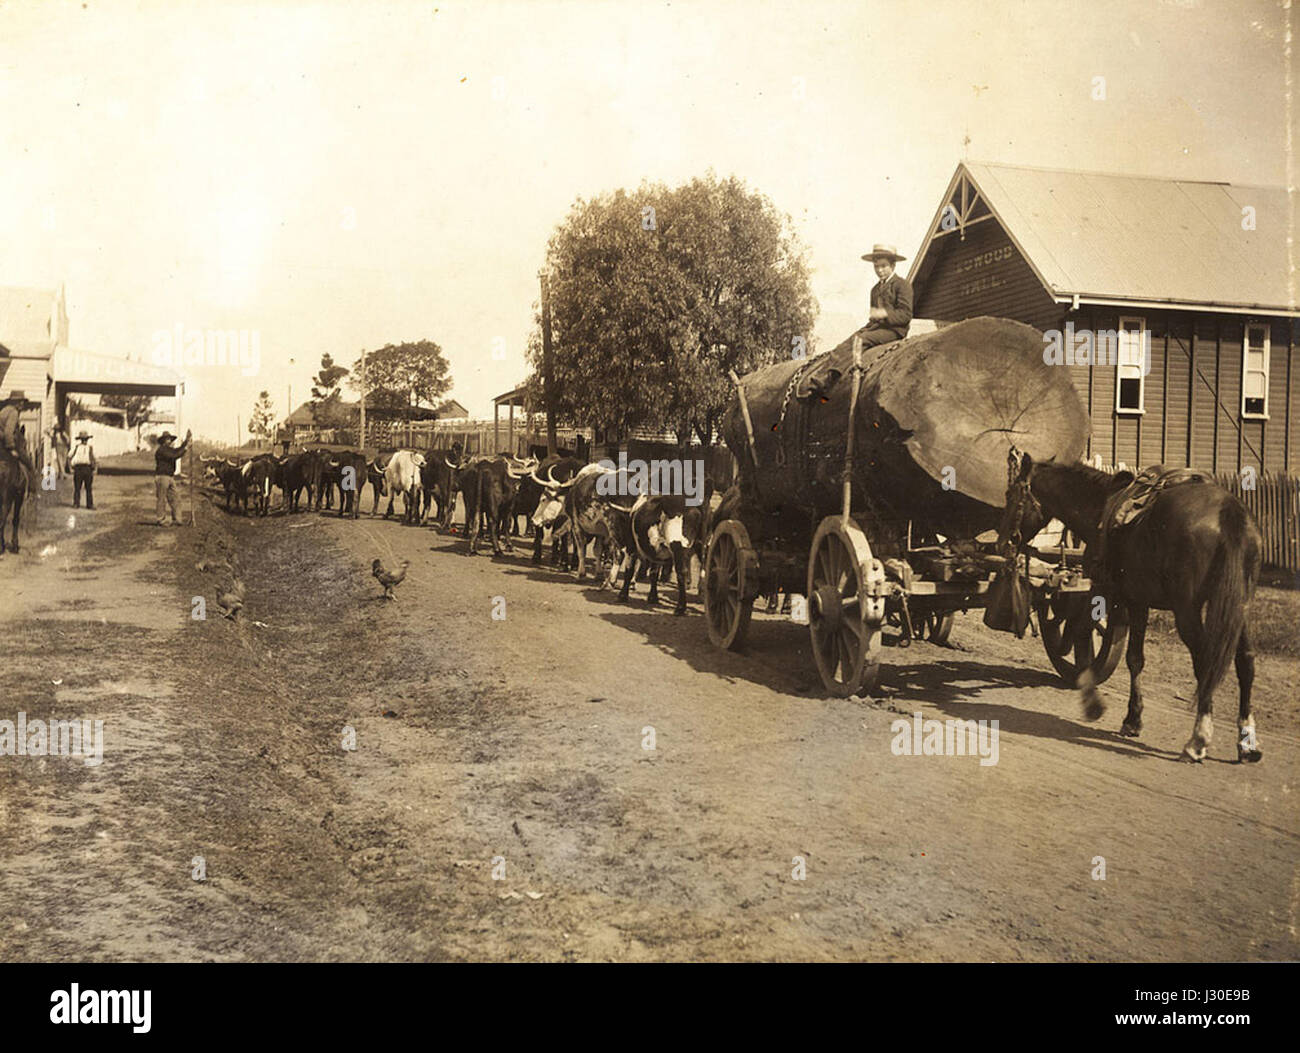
[(1142, 238)]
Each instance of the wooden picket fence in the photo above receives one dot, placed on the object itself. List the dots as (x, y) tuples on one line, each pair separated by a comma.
[(1274, 501)]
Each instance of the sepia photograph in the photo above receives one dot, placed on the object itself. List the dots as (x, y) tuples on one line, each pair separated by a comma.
[(620, 481)]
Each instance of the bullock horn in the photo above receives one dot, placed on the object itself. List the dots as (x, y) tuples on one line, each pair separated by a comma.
[(557, 485), (453, 467)]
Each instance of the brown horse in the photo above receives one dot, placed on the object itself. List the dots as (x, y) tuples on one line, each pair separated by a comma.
[(1195, 552), (13, 489)]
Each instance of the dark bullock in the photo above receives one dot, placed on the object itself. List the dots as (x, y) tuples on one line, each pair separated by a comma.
[(293, 475), (438, 477), (259, 473), (660, 531), (233, 482), (549, 481), (375, 477), (485, 485), (352, 470)]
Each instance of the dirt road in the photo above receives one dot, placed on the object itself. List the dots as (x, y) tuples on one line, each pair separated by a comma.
[(501, 804)]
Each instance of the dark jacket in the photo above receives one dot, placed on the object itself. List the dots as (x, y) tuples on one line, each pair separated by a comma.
[(9, 423), (895, 296), (165, 458)]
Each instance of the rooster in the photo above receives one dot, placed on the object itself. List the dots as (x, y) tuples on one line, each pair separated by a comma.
[(388, 579), (231, 602)]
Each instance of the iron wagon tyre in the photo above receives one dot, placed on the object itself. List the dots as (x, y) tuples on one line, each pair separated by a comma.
[(1061, 616), (729, 584), (843, 617)]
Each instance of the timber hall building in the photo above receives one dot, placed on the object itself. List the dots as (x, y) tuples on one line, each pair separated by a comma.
[(1200, 268)]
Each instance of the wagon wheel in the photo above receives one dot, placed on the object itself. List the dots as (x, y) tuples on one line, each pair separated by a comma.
[(1076, 641), (936, 626), (729, 584), (843, 616)]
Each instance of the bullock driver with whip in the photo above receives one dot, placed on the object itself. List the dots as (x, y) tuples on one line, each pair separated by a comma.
[(891, 300), (164, 475)]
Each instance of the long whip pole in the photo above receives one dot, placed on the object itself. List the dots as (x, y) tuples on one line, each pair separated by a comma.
[(853, 416)]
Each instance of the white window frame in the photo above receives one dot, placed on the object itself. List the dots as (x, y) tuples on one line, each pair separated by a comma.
[(1144, 350), (1245, 358)]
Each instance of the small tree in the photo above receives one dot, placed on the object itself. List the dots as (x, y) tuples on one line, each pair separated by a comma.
[(137, 407), (262, 423), (326, 397)]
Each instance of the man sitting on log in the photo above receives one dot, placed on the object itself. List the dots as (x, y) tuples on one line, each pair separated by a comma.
[(891, 315), (891, 300)]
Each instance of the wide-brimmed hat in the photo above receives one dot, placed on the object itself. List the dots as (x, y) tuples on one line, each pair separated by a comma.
[(883, 252), (17, 395), (83, 435), (165, 436)]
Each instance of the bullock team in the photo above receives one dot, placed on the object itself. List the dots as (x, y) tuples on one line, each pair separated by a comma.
[(582, 506)]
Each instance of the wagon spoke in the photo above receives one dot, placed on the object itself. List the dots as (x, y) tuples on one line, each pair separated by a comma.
[(825, 564), (827, 645), (851, 649)]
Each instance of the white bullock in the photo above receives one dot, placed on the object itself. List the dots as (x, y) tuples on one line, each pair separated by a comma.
[(402, 476)]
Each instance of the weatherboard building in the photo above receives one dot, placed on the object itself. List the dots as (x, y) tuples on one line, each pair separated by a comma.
[(1193, 278)]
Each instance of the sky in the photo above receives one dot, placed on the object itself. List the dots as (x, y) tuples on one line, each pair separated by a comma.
[(339, 175)]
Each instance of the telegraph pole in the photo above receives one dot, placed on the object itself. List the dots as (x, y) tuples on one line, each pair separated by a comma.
[(361, 439), (548, 367)]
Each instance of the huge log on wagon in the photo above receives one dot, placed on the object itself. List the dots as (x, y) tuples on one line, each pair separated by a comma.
[(937, 414)]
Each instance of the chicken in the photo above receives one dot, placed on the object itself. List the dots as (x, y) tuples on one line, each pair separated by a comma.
[(231, 601), (388, 579)]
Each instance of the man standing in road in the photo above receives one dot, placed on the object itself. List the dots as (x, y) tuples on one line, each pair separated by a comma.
[(891, 300), (164, 475), (84, 466)]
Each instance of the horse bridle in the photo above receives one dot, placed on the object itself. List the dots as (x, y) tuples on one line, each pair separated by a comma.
[(1022, 497)]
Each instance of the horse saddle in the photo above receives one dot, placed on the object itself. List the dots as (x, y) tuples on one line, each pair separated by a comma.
[(1130, 504)]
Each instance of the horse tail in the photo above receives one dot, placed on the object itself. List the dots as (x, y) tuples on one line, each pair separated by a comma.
[(1230, 581)]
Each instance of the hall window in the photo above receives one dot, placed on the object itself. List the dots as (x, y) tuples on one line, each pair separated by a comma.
[(1131, 365), (1254, 371)]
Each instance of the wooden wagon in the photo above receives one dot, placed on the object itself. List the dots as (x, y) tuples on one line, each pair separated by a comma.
[(874, 489)]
